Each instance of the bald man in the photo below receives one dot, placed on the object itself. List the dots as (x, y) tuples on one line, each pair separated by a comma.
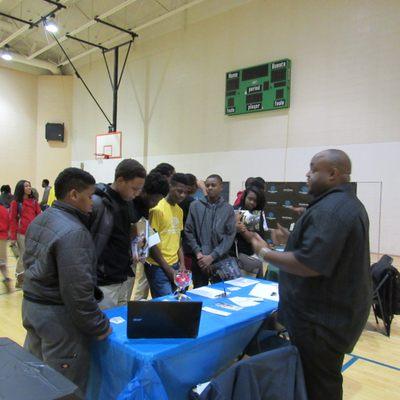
[(324, 282)]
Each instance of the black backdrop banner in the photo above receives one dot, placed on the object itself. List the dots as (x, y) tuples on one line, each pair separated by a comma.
[(282, 198)]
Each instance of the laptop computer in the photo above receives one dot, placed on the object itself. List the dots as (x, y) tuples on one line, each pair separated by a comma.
[(163, 319)]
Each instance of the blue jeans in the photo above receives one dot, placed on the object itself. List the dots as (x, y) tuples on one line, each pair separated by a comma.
[(159, 283)]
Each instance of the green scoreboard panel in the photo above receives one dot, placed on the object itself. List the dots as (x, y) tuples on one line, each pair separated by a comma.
[(260, 88)]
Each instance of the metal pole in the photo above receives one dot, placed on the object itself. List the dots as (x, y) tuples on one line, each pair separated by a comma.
[(102, 48), (128, 31), (79, 77), (115, 89), (24, 21), (123, 66)]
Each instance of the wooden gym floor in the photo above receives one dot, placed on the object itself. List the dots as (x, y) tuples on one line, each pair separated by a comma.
[(371, 371)]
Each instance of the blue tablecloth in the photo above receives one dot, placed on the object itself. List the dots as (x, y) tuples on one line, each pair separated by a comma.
[(162, 369)]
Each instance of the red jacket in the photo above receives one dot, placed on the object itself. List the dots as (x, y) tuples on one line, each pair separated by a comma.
[(239, 197), (4, 223), (19, 224)]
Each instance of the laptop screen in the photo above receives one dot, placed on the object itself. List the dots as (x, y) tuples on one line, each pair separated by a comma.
[(163, 319)]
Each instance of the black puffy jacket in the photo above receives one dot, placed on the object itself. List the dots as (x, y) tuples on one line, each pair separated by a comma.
[(101, 219), (60, 266), (110, 228)]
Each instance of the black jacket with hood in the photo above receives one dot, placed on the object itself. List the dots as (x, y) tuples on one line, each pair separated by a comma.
[(112, 242), (210, 228)]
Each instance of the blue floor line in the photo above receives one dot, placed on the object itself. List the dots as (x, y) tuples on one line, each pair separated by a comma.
[(349, 363), (375, 362)]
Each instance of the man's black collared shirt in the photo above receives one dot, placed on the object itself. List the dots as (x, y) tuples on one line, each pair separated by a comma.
[(332, 239)]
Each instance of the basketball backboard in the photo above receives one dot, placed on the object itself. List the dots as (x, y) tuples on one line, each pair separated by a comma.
[(108, 145)]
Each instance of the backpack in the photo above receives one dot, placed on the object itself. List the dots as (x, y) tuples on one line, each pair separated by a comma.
[(389, 290), (396, 291)]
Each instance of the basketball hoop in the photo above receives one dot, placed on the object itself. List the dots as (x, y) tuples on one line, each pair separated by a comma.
[(102, 155), (108, 145)]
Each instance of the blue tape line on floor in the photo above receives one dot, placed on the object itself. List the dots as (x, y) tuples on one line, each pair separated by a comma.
[(376, 362), (349, 363)]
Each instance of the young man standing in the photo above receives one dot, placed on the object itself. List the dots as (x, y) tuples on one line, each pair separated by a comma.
[(59, 310), (111, 227), (46, 186), (185, 205), (165, 258), (155, 188), (165, 169), (210, 230)]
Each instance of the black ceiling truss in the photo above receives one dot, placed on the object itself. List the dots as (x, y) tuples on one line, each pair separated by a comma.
[(115, 81), (117, 77), (102, 48), (41, 19), (128, 31), (82, 80)]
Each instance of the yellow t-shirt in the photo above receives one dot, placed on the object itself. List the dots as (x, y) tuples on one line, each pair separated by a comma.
[(52, 196), (167, 220)]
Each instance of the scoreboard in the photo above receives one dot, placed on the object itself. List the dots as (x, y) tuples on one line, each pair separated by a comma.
[(260, 88)]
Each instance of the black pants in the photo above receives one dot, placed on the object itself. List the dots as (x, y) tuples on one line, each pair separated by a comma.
[(322, 364), (199, 277)]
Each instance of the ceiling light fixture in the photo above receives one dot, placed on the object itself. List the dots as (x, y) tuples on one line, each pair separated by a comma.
[(5, 53), (50, 25)]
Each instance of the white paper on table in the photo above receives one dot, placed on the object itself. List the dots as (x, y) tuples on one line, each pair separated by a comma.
[(241, 282), (199, 389), (268, 292), (153, 240), (232, 289), (208, 292), (244, 301), (218, 312), (227, 306), (117, 320)]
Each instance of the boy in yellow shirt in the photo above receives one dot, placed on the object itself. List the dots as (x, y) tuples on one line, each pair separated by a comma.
[(167, 257)]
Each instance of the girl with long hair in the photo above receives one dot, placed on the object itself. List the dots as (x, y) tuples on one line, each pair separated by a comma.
[(249, 218), (4, 228), (23, 210)]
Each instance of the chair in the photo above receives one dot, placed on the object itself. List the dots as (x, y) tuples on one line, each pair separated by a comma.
[(383, 291), (275, 374)]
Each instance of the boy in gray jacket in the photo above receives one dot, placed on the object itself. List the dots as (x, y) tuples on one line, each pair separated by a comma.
[(210, 230), (59, 310)]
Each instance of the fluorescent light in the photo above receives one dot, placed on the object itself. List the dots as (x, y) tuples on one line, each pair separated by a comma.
[(50, 26), (5, 55)]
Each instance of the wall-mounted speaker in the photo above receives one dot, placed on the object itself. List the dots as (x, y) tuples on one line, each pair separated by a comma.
[(55, 132)]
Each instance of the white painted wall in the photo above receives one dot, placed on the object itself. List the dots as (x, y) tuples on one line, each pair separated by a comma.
[(54, 102), (27, 102), (345, 62), (17, 126)]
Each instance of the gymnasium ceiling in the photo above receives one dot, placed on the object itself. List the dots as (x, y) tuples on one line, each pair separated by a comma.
[(36, 47)]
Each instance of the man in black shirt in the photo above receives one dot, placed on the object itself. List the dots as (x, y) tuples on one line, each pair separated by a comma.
[(324, 283), (111, 227)]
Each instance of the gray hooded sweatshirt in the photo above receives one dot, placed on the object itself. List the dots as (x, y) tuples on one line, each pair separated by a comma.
[(210, 228)]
